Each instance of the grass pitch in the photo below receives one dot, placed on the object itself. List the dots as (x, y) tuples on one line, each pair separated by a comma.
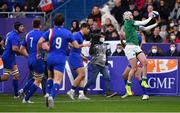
[(98, 103)]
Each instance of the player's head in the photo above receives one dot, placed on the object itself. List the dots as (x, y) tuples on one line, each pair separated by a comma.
[(36, 23), (19, 27), (85, 28), (58, 20), (127, 15)]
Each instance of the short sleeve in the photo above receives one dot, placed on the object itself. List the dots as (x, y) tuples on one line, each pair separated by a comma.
[(15, 41)]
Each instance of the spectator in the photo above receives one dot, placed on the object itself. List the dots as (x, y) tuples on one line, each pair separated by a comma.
[(155, 51), (132, 6), (75, 26), (4, 8), (96, 15), (175, 14), (95, 29), (25, 8), (171, 38), (139, 4), (137, 15), (176, 29), (163, 11), (163, 33), (172, 50), (18, 14), (105, 11), (177, 40), (155, 38), (107, 23), (119, 51), (111, 33), (171, 3), (118, 10), (90, 21)]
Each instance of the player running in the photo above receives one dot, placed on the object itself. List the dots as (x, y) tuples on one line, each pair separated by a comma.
[(58, 38), (12, 44), (132, 50), (76, 63), (36, 66)]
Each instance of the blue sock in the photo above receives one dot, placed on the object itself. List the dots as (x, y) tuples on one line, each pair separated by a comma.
[(15, 86), (81, 88), (49, 85), (125, 81), (55, 90), (27, 85), (143, 88), (31, 91), (73, 87)]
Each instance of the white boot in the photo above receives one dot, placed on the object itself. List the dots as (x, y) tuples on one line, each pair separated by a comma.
[(145, 97), (71, 94)]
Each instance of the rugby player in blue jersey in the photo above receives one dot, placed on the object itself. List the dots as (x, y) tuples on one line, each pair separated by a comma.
[(76, 63), (12, 44), (36, 66), (59, 39)]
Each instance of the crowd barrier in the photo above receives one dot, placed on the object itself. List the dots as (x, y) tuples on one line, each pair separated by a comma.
[(163, 77)]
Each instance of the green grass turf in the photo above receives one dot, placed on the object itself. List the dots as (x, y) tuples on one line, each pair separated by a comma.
[(98, 103)]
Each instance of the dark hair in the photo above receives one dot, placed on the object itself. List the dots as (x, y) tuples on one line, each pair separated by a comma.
[(77, 22), (17, 25), (36, 23), (84, 25), (58, 20)]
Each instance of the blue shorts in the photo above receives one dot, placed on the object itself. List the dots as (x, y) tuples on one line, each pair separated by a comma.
[(8, 62), (75, 61), (56, 63), (36, 66)]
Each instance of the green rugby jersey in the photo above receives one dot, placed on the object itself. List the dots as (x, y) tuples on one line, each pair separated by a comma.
[(130, 32)]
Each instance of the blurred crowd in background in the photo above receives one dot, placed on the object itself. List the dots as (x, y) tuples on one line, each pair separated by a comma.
[(107, 21)]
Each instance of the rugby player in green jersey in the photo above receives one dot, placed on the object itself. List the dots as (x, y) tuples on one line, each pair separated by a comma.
[(132, 50)]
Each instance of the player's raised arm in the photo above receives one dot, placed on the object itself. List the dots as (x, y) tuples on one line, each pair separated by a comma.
[(144, 22), (150, 26)]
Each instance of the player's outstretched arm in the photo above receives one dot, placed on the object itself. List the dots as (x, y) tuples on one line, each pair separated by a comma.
[(144, 22), (150, 26), (76, 45)]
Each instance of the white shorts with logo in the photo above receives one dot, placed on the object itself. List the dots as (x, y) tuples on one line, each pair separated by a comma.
[(131, 51)]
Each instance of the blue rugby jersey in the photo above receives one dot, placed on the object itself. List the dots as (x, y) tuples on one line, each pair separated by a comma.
[(31, 40), (79, 38), (58, 38)]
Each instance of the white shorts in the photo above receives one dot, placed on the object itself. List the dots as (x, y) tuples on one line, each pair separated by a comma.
[(131, 51)]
